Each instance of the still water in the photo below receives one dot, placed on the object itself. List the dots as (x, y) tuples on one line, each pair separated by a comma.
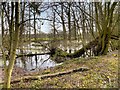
[(35, 62), (38, 62)]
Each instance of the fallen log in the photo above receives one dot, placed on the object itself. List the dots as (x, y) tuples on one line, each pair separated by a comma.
[(73, 55), (91, 45), (39, 77), (76, 54), (81, 69), (30, 55)]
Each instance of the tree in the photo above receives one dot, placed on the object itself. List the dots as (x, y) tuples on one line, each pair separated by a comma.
[(104, 20), (63, 23), (2, 26), (69, 20), (14, 44)]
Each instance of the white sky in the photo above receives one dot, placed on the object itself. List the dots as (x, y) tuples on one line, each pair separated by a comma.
[(46, 26)]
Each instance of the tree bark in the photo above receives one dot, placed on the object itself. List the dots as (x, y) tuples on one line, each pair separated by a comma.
[(2, 26), (27, 78), (69, 20), (14, 47), (93, 45), (63, 23), (104, 19)]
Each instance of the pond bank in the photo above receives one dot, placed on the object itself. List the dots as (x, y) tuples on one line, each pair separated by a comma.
[(103, 73)]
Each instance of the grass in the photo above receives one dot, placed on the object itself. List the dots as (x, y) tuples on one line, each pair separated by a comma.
[(45, 39), (103, 73)]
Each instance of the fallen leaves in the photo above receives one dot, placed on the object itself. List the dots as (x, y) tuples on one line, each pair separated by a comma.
[(103, 73)]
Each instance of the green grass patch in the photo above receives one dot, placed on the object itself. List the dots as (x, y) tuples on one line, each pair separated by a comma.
[(46, 39)]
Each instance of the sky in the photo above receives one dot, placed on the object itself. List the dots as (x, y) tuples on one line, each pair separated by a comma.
[(46, 24), (44, 28)]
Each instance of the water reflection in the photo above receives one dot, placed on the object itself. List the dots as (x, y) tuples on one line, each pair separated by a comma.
[(42, 61), (33, 64)]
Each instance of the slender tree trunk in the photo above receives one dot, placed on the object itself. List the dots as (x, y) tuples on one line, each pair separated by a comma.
[(2, 26), (22, 26), (91, 20), (21, 33), (63, 23), (15, 44), (54, 29), (104, 26), (63, 26), (35, 35), (69, 21), (75, 31), (29, 28)]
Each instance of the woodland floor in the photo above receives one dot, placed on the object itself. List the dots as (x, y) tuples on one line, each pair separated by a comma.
[(103, 73)]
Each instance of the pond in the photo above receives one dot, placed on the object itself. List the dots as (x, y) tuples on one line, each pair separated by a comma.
[(42, 61), (39, 62), (35, 62)]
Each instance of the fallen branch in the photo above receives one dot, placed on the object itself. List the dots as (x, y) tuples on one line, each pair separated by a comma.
[(115, 37), (81, 69), (21, 55), (39, 77)]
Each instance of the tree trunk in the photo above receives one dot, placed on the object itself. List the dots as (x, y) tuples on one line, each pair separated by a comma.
[(63, 23), (69, 21), (104, 26), (22, 28), (14, 47), (74, 27), (11, 27), (2, 26), (63, 26), (93, 45), (35, 34)]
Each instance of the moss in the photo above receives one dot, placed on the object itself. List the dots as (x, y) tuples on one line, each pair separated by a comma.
[(46, 72), (1, 86), (60, 52), (103, 73), (45, 39)]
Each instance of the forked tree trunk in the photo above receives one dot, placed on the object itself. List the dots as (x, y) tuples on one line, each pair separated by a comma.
[(14, 47), (104, 25)]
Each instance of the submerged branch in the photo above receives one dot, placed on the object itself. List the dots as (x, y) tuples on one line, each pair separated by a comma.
[(30, 55)]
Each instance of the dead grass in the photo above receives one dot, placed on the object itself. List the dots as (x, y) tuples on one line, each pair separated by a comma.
[(103, 73)]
